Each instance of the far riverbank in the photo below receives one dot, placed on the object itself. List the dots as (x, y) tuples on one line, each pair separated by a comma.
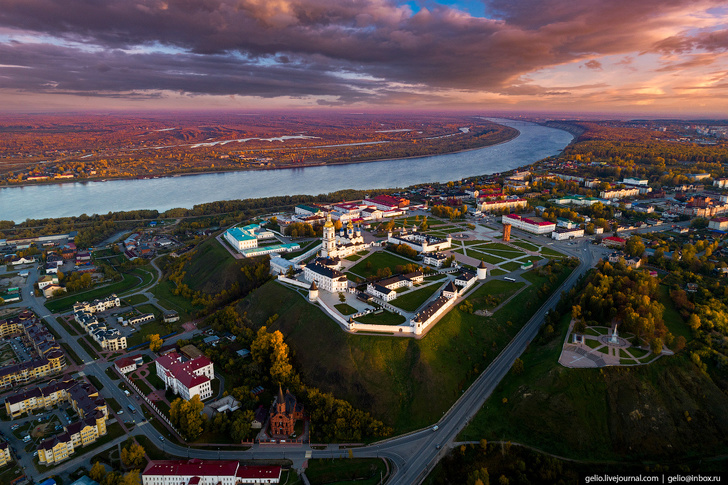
[(534, 143), (513, 133)]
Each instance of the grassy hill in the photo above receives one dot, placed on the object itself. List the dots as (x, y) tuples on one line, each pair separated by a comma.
[(407, 383), (663, 410), (212, 268)]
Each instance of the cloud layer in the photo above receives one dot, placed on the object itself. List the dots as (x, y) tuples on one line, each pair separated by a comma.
[(357, 51)]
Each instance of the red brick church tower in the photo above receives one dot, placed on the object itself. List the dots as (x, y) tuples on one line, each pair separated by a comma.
[(284, 413)]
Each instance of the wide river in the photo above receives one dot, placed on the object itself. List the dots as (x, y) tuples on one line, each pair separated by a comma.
[(71, 199)]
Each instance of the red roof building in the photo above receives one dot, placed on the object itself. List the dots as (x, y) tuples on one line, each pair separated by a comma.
[(533, 226), (186, 378), (387, 202), (614, 241), (207, 472)]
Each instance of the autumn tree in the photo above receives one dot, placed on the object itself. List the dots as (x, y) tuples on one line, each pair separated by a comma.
[(694, 321), (517, 367), (112, 478), (97, 473), (634, 246), (132, 455), (131, 478), (656, 345), (155, 342), (187, 417)]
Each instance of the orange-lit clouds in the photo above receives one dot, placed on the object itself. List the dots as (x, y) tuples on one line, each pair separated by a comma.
[(665, 56)]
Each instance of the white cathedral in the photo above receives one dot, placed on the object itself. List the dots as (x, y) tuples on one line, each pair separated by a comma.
[(345, 244)]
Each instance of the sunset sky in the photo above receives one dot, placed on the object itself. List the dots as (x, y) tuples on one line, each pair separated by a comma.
[(662, 58)]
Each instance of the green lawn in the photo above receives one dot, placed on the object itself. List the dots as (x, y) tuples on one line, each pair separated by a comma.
[(488, 258), (353, 257), (505, 254), (96, 382), (149, 308), (378, 260), (165, 296), (673, 320), (147, 274), (345, 309), (90, 350), (59, 304), (411, 301), (525, 245), (551, 252), (593, 344), (497, 272), (70, 353), (362, 471), (142, 386), (499, 246), (492, 293), (384, 318), (155, 381), (135, 299), (146, 329), (638, 353), (474, 242), (511, 266)]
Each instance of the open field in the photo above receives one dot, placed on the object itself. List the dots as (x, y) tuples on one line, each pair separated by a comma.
[(376, 261), (383, 318), (362, 471), (65, 303), (412, 300)]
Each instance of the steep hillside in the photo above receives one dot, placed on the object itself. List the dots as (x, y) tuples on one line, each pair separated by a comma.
[(405, 382)]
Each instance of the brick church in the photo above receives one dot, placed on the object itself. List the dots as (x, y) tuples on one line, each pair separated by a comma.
[(284, 413)]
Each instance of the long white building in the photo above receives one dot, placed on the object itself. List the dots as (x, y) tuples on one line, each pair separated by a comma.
[(499, 205), (528, 225), (619, 193), (186, 378), (208, 472), (421, 243)]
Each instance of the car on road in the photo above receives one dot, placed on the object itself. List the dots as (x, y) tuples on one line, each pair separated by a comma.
[(121, 411), (435, 428), (161, 438)]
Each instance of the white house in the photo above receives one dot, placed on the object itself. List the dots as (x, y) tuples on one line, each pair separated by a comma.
[(186, 378), (327, 279)]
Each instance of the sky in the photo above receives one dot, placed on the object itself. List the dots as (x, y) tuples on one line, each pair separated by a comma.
[(652, 57)]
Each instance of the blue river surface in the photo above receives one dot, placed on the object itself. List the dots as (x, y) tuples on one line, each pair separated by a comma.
[(72, 199)]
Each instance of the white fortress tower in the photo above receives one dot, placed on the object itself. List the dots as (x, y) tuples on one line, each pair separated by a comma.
[(482, 271), (328, 243), (313, 292)]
